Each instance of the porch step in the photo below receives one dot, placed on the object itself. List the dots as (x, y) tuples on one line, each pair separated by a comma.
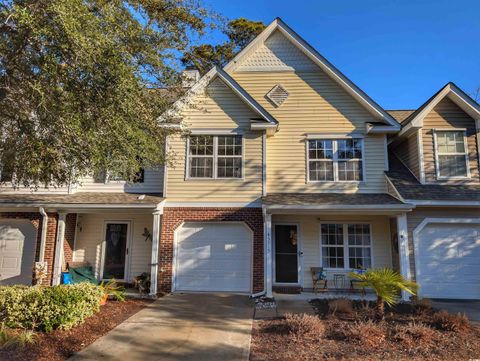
[(291, 290)]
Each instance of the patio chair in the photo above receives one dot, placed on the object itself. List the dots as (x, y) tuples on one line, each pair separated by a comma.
[(354, 282), (319, 276)]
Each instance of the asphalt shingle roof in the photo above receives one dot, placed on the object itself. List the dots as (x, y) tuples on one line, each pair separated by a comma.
[(411, 189), (87, 198), (333, 199)]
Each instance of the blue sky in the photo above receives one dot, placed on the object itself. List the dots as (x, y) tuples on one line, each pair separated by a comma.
[(398, 52)]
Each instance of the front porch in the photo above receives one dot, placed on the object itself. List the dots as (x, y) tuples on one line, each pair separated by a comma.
[(120, 245), (304, 240)]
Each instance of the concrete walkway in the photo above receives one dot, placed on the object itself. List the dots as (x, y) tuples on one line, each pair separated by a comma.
[(180, 327)]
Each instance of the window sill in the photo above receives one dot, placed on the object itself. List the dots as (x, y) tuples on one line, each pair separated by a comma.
[(215, 179)]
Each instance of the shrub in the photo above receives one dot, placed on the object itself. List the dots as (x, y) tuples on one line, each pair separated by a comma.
[(365, 333), (422, 306), (445, 321), (413, 334), (340, 305), (304, 326), (48, 308)]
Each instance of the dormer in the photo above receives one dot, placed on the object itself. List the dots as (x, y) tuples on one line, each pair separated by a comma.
[(439, 141)]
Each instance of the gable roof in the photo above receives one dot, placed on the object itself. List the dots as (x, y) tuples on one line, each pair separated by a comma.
[(400, 114), (376, 110), (454, 93), (214, 73)]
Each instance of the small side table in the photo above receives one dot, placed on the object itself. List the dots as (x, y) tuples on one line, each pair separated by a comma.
[(339, 279)]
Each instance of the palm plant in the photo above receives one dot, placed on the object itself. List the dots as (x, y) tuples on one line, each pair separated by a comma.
[(387, 284)]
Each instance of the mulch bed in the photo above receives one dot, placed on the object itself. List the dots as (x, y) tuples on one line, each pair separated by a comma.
[(60, 345), (275, 340)]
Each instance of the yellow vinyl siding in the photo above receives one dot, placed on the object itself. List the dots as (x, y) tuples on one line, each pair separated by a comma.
[(316, 104), (90, 236), (309, 240), (218, 109), (448, 115), (407, 152)]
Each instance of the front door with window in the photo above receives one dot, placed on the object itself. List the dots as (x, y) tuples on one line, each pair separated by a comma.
[(286, 254), (116, 251)]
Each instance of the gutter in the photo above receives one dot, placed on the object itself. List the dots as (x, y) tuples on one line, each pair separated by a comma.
[(43, 236)]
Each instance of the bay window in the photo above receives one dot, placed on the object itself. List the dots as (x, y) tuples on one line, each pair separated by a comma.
[(338, 160), (215, 157)]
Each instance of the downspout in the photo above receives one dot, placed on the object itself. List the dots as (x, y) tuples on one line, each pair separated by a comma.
[(43, 236)]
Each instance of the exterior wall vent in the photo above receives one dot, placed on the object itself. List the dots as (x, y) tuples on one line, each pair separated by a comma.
[(277, 95)]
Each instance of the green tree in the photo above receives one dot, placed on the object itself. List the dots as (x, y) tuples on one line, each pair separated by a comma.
[(239, 32), (387, 284), (76, 80)]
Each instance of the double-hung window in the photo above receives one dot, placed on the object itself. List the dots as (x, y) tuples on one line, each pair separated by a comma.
[(346, 245), (451, 154), (338, 160), (215, 156)]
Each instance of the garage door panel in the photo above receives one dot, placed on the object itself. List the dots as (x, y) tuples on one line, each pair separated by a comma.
[(213, 257), (17, 251), (448, 263)]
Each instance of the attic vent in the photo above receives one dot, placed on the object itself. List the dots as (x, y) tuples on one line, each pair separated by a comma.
[(277, 95)]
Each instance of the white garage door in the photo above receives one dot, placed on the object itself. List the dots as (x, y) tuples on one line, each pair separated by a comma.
[(17, 251), (448, 261), (213, 257)]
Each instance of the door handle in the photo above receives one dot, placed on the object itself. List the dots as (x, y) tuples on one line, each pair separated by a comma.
[(300, 253)]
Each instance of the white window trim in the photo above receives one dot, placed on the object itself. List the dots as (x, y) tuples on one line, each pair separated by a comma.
[(435, 146), (335, 159), (215, 156), (346, 253)]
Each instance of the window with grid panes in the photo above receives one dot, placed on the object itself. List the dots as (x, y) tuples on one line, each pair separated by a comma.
[(338, 160), (215, 156), (346, 245), (451, 154)]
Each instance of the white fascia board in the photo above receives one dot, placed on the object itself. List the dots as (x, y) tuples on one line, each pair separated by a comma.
[(78, 206), (247, 99), (199, 86), (427, 203), (381, 129), (455, 94), (323, 63)]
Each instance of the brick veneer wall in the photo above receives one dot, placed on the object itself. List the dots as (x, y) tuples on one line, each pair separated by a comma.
[(172, 218), (36, 219), (69, 239)]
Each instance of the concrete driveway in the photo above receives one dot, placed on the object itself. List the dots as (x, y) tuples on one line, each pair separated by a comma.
[(469, 308), (180, 327)]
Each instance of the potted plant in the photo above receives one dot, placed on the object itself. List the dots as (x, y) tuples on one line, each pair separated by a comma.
[(112, 289)]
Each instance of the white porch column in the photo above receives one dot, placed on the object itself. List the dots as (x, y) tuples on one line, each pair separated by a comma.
[(403, 251), (268, 255), (57, 265), (155, 248)]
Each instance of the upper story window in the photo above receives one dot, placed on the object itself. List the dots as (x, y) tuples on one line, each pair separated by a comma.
[(451, 154), (337, 160), (215, 156)]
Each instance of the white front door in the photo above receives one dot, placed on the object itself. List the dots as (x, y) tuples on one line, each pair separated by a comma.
[(448, 261), (115, 257), (213, 257), (17, 251)]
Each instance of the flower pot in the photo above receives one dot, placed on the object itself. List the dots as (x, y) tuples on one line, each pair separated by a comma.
[(104, 299)]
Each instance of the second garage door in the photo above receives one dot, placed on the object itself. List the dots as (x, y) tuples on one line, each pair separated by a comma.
[(17, 251), (213, 257), (448, 261)]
